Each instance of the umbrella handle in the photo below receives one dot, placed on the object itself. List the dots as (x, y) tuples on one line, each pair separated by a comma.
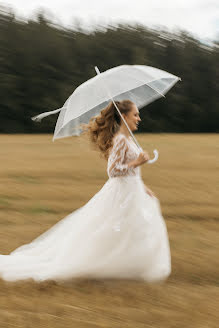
[(155, 157)]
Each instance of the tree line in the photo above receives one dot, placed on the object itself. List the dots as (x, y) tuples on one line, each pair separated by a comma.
[(42, 63)]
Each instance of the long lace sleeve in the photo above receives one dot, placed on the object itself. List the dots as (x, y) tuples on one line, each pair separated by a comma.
[(117, 165)]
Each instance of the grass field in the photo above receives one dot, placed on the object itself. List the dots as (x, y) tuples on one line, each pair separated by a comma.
[(41, 182)]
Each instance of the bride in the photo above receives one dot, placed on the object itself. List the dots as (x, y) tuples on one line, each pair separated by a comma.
[(119, 233)]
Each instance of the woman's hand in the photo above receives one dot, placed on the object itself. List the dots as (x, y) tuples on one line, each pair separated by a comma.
[(142, 158)]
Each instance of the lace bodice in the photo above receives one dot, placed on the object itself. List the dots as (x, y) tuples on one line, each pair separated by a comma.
[(123, 151)]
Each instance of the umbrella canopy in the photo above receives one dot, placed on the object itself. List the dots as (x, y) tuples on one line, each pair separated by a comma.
[(138, 83)]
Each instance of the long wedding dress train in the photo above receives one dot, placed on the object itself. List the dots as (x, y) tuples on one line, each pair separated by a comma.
[(119, 233)]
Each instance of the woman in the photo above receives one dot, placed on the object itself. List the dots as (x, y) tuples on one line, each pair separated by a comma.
[(119, 233)]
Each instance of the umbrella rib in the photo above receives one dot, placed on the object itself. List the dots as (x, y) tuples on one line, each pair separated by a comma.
[(148, 85), (39, 117)]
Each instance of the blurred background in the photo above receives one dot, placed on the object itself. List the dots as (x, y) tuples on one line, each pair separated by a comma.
[(45, 53), (47, 49)]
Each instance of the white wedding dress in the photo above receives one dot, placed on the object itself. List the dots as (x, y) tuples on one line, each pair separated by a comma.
[(119, 233)]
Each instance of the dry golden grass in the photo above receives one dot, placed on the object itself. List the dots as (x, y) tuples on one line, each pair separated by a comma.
[(41, 182)]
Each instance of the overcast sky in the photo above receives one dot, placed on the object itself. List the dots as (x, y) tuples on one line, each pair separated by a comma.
[(201, 17)]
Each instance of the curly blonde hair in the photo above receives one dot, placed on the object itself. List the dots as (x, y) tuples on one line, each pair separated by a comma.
[(102, 128)]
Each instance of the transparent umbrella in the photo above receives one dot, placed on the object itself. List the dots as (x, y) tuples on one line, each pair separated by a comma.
[(138, 83)]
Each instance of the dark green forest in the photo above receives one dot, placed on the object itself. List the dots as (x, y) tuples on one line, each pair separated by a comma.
[(42, 63)]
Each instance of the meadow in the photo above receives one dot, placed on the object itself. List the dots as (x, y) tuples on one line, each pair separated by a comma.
[(41, 182)]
